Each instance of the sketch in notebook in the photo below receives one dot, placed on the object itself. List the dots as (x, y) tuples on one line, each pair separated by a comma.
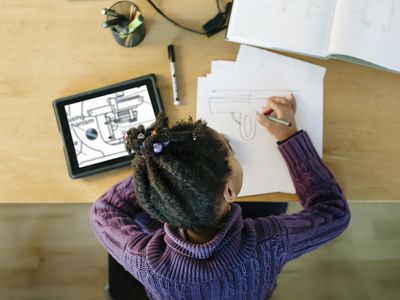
[(309, 8), (375, 13), (243, 105)]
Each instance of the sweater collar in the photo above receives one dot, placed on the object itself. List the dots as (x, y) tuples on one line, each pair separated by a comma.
[(231, 227)]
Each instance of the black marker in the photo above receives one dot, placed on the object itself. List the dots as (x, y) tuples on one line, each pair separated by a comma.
[(116, 21), (171, 56)]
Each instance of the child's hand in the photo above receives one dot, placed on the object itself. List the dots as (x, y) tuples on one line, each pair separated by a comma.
[(284, 108)]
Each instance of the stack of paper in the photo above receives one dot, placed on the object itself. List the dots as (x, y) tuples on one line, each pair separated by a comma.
[(230, 97)]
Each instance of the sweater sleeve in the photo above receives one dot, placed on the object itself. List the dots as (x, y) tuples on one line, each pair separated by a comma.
[(326, 213), (120, 223)]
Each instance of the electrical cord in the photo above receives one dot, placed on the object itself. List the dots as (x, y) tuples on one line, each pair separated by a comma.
[(209, 32), (218, 6)]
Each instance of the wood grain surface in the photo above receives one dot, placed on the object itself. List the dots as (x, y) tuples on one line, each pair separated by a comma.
[(49, 251), (51, 49)]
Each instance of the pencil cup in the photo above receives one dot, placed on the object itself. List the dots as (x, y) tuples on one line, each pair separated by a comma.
[(126, 22)]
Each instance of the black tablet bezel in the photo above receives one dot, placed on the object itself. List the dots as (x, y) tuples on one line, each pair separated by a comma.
[(70, 154)]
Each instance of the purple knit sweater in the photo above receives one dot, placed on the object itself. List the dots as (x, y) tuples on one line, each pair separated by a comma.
[(245, 257)]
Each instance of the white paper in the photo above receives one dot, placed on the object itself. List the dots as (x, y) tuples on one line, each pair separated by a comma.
[(263, 166), (249, 58), (368, 30), (296, 25), (229, 100), (221, 66)]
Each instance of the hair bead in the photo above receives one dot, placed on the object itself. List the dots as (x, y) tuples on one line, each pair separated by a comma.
[(157, 147)]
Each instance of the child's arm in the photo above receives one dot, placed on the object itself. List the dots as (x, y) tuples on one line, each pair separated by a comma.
[(117, 220), (326, 213)]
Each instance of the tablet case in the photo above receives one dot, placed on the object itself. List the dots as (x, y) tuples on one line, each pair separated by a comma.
[(69, 151)]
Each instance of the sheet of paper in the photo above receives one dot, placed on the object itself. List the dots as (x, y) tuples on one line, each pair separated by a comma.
[(262, 64), (295, 25), (221, 66), (249, 58), (229, 102), (264, 169), (368, 30)]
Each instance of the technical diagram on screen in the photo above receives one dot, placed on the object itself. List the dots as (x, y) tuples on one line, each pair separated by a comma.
[(93, 123)]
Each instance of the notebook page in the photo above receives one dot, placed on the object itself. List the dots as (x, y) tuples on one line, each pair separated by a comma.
[(294, 25), (368, 30)]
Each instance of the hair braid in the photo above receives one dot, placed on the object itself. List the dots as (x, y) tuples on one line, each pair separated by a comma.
[(182, 184)]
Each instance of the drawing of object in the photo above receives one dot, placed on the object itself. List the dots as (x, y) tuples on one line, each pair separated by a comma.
[(309, 7), (366, 19), (119, 113), (243, 105), (284, 6), (373, 10), (389, 8), (280, 5), (243, 109)]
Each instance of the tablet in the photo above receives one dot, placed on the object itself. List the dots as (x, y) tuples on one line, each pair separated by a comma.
[(93, 123)]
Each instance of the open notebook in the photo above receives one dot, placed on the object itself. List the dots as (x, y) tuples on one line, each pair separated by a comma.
[(360, 31)]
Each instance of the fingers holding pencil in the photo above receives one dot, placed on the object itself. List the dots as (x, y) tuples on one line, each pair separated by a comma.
[(288, 100), (278, 116), (292, 101)]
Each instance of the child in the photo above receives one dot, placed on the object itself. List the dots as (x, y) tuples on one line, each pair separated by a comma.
[(174, 225)]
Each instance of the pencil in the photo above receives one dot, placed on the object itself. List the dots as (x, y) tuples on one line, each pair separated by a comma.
[(128, 40), (277, 120), (132, 13), (268, 113)]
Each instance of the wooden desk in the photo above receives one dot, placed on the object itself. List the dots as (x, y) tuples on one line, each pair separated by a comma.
[(50, 49)]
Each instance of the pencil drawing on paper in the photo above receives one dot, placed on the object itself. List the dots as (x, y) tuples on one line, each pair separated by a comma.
[(243, 105), (309, 8), (376, 13)]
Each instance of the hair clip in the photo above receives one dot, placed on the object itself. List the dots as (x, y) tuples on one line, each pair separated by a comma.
[(158, 147), (141, 136)]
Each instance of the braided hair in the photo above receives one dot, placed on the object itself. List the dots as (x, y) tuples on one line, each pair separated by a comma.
[(179, 172)]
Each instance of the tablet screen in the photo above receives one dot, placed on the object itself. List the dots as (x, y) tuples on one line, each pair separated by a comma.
[(97, 125)]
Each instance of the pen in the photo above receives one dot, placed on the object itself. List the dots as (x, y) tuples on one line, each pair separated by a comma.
[(171, 56), (277, 120), (112, 13)]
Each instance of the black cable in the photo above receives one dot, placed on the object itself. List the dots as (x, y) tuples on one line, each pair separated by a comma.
[(173, 22), (218, 6), (182, 26)]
